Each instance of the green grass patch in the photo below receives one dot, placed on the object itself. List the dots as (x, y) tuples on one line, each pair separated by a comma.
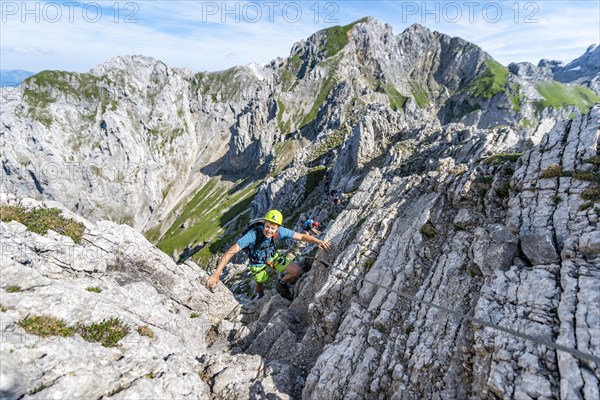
[(454, 111), (483, 184), (326, 87), (202, 200), (38, 101), (39, 220), (284, 151), (48, 87), (13, 289), (153, 234), (94, 289), (313, 179), (556, 199), (515, 97), (116, 390), (419, 94), (107, 332), (2, 308), (39, 388), (396, 99), (474, 272), (589, 176), (284, 154), (223, 86), (145, 331), (194, 315), (530, 123), (334, 140), (290, 72), (360, 222), (337, 37), (592, 194), (203, 257), (501, 158), (595, 160), (553, 171), (491, 82), (428, 230), (586, 206), (46, 326), (503, 191), (237, 209), (206, 214), (559, 95), (284, 128), (369, 263), (72, 85), (287, 80), (487, 180)]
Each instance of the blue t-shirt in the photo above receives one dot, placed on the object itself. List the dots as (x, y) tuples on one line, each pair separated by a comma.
[(308, 224), (260, 249)]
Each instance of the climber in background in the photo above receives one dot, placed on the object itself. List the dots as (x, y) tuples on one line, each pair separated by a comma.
[(311, 226), (259, 241)]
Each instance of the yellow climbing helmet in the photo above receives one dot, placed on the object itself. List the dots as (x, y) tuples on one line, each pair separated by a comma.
[(274, 216)]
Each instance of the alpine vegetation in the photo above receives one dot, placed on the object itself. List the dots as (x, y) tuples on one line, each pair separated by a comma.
[(456, 253)]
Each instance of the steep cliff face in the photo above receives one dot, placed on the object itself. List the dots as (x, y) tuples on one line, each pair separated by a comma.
[(506, 242), (583, 70), (128, 140), (110, 315), (458, 182), (133, 140)]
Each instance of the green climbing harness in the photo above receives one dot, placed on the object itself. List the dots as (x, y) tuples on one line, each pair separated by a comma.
[(278, 262)]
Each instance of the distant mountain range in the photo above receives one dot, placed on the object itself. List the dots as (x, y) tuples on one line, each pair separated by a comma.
[(462, 196), (13, 77)]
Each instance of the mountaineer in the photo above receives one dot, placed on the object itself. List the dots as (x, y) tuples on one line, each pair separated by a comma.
[(310, 226), (259, 242)]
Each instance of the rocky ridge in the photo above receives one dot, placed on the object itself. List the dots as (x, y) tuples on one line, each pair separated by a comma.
[(133, 125), (460, 184), (173, 320)]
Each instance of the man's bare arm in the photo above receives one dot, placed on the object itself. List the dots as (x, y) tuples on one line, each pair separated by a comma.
[(215, 277), (323, 244)]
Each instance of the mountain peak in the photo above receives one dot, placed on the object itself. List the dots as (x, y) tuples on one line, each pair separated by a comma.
[(126, 63), (585, 67)]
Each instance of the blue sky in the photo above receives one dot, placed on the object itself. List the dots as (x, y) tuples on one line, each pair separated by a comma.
[(214, 35)]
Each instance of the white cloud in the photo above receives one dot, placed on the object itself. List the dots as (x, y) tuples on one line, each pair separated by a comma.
[(191, 34)]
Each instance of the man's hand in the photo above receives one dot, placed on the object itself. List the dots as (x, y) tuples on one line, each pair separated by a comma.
[(325, 245), (213, 281)]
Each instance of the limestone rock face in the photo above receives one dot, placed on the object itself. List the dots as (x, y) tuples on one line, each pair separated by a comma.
[(171, 318), (583, 70), (376, 343), (132, 138), (127, 140), (452, 188)]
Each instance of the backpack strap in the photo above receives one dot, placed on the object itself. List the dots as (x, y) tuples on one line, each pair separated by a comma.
[(270, 247)]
